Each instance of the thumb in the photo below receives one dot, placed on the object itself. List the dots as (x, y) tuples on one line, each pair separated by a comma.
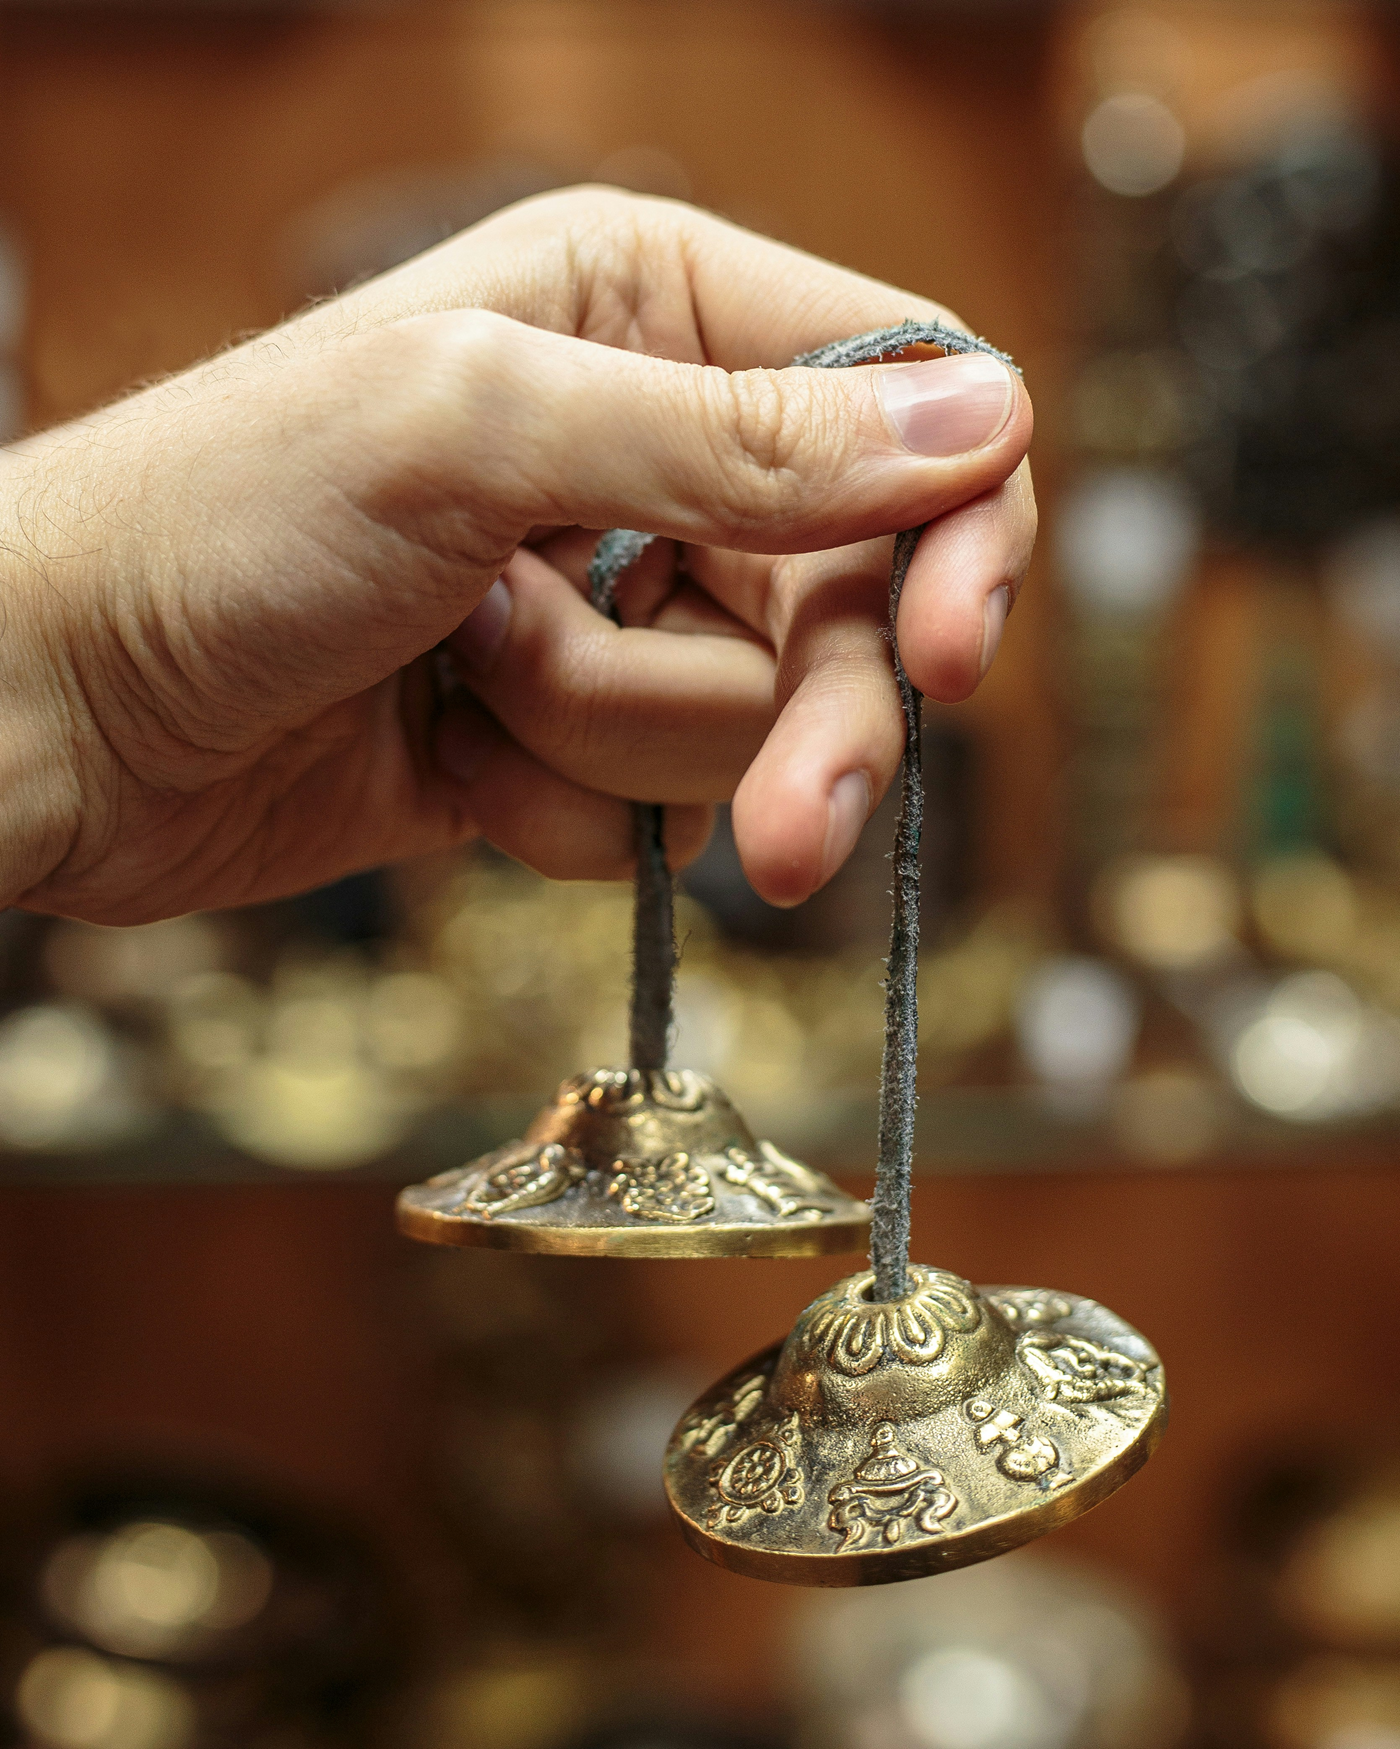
[(534, 427)]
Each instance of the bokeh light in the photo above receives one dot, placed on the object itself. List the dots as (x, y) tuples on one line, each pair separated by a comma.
[(1314, 1051), (1170, 912), (70, 1698), (1077, 1022), (66, 1081), (1125, 540), (1133, 144), (154, 1589)]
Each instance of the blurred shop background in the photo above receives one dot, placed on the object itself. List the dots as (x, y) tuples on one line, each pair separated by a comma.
[(272, 1477)]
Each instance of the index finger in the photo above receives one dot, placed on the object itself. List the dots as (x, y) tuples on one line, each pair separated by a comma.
[(641, 273)]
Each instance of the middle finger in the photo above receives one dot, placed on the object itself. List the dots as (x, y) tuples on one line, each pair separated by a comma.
[(646, 714)]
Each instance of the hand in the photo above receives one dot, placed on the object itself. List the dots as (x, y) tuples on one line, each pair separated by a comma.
[(224, 594)]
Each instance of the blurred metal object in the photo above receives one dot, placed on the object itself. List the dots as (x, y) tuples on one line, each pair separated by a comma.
[(638, 1163), (144, 963), (1339, 1582), (1330, 1702), (1133, 144), (149, 1612), (1127, 540), (1169, 1115), (157, 1589), (1030, 1652), (68, 1080), (1077, 1023), (885, 1441), (1362, 576), (1313, 1051), (327, 1068), (1172, 913), (70, 1698)]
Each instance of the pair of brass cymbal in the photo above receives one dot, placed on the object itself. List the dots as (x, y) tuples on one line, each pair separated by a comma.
[(880, 1441), (911, 1422)]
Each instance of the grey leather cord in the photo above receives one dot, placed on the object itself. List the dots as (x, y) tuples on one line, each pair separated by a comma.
[(654, 956)]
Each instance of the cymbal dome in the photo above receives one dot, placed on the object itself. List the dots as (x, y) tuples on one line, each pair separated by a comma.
[(850, 1357), (627, 1113)]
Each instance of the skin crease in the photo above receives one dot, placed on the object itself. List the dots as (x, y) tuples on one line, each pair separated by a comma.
[(230, 600)]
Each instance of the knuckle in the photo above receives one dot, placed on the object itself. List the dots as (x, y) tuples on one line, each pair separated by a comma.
[(763, 425), (432, 406), (437, 370), (579, 206)]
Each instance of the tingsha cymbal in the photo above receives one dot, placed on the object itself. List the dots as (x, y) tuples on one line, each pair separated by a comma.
[(911, 1423), (638, 1163), (647, 1161), (888, 1441)]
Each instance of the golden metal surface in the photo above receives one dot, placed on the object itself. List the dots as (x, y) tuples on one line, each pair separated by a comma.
[(638, 1163), (884, 1442)]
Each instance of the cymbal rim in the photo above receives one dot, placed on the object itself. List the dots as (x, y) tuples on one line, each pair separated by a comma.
[(832, 1238)]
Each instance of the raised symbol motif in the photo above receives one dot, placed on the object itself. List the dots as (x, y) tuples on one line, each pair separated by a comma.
[(775, 1180), (1025, 1307), (1069, 1369), (1023, 1457), (858, 1333), (523, 1176), (890, 1495), (704, 1433), (763, 1476), (674, 1188)]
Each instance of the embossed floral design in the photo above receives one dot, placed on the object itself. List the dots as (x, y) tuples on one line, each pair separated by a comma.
[(523, 1176), (604, 1089), (705, 1432), (1022, 1456), (619, 1089), (890, 1495), (763, 1476), (677, 1089), (1069, 1369), (858, 1333), (1026, 1307), (674, 1188)]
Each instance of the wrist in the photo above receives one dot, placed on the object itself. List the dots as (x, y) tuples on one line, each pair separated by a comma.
[(40, 793)]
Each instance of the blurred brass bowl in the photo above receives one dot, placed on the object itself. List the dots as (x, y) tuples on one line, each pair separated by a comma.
[(638, 1163), (888, 1441)]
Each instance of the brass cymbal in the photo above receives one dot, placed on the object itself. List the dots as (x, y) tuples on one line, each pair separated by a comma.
[(887, 1441), (638, 1163)]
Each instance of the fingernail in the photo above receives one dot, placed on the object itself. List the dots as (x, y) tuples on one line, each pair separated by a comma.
[(946, 406), (993, 619), (847, 810), (462, 741), (477, 641)]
